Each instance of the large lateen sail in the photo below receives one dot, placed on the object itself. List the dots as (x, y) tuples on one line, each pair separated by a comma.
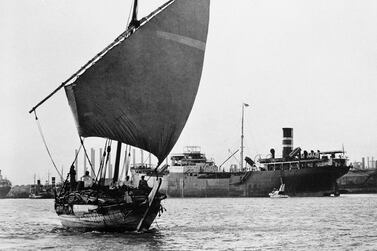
[(142, 90)]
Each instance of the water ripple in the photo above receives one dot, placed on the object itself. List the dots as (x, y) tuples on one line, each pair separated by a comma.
[(345, 223)]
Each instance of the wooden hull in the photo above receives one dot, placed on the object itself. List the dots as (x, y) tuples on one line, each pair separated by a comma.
[(117, 216), (120, 219)]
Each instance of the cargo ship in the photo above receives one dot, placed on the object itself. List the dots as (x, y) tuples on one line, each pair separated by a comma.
[(5, 186), (304, 173)]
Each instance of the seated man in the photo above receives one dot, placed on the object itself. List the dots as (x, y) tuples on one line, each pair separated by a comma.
[(143, 184), (88, 181)]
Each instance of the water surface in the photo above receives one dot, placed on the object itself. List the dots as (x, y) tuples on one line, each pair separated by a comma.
[(348, 222)]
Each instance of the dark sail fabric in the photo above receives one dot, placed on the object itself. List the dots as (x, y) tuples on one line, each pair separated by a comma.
[(141, 92)]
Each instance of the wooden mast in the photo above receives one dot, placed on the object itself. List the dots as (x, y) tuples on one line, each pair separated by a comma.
[(117, 162), (134, 22)]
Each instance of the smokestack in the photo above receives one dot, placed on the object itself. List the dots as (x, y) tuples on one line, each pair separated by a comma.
[(85, 167), (134, 157), (110, 168), (53, 181), (93, 160), (363, 163), (38, 187), (287, 141), (372, 163), (150, 160)]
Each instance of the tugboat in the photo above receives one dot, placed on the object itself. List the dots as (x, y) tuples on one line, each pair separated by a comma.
[(131, 92), (5, 186), (47, 191)]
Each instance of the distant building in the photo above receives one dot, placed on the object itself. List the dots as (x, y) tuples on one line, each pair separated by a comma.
[(366, 163)]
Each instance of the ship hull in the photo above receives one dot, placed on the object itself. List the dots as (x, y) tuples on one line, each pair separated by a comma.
[(359, 181), (318, 181), (4, 191), (117, 218)]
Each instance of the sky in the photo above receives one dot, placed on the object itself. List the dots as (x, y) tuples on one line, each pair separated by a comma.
[(306, 64)]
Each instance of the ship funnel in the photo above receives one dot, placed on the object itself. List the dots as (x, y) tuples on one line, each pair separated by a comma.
[(287, 141)]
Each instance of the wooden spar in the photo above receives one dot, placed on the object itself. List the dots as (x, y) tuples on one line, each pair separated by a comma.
[(117, 162), (83, 68), (150, 200), (122, 36), (134, 12), (229, 158), (131, 29)]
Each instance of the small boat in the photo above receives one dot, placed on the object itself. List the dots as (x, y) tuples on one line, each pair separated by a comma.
[(34, 196), (138, 91), (279, 193)]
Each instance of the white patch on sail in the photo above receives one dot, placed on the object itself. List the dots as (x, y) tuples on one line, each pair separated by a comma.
[(182, 40)]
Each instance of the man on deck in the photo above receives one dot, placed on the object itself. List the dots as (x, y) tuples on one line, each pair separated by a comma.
[(88, 181), (143, 184), (72, 178)]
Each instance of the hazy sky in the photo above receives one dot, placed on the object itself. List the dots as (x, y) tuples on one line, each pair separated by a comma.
[(306, 64)]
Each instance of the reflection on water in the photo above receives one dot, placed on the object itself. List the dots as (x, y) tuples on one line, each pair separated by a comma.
[(346, 222)]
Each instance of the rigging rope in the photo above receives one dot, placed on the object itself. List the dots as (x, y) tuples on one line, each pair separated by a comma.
[(68, 174), (86, 155), (129, 16), (45, 143), (99, 174), (107, 158)]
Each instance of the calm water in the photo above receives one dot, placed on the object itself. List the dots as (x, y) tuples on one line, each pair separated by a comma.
[(348, 222)]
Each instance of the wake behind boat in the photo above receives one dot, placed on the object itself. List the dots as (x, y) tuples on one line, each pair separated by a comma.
[(132, 93)]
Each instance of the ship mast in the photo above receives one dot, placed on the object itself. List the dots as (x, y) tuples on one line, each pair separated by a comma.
[(241, 154), (134, 21), (117, 162)]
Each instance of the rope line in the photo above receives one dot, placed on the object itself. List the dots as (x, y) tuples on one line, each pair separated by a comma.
[(108, 150), (69, 174), (45, 143), (87, 157), (99, 174)]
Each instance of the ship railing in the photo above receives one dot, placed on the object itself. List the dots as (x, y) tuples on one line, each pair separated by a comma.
[(142, 166), (298, 164)]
